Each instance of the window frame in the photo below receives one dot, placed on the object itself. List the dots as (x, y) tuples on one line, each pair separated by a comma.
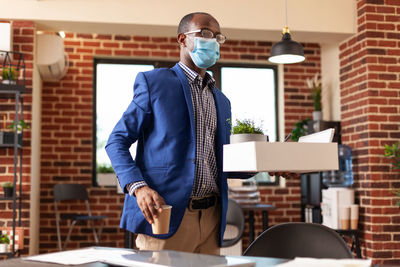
[(165, 63)]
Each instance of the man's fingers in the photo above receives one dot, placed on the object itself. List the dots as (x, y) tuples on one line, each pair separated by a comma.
[(158, 202), (152, 209), (146, 213)]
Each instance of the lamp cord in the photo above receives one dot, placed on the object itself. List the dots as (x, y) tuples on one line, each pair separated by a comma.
[(286, 13)]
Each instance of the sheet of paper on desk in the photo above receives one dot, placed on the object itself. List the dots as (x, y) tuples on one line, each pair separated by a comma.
[(312, 262), (123, 257), (80, 256)]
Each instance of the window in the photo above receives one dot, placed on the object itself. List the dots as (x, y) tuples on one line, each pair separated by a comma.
[(252, 90), (113, 91)]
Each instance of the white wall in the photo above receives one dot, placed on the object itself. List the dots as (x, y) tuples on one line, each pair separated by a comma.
[(309, 20)]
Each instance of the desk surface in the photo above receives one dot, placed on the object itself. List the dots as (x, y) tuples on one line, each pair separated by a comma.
[(169, 258), (260, 262)]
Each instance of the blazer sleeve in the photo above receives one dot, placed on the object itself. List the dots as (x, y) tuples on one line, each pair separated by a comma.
[(127, 130)]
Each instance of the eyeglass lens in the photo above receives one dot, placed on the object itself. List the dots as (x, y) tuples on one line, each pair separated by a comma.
[(209, 34)]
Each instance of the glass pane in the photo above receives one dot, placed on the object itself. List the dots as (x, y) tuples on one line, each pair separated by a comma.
[(114, 92), (252, 95)]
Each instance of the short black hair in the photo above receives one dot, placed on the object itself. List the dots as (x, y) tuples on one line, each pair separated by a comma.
[(185, 21)]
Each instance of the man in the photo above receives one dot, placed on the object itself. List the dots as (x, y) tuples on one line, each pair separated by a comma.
[(179, 119)]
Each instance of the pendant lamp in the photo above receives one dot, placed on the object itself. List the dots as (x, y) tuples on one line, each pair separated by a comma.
[(286, 51)]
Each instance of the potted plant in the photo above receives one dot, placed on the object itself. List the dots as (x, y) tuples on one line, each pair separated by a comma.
[(8, 188), (4, 242), (9, 75), (246, 131), (8, 137), (315, 85), (21, 125), (299, 129), (106, 175)]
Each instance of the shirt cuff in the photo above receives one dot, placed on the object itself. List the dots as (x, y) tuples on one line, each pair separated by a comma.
[(133, 186)]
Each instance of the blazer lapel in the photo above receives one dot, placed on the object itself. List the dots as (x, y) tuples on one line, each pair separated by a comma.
[(188, 97)]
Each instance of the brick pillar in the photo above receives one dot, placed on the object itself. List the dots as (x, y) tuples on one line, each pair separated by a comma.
[(370, 105)]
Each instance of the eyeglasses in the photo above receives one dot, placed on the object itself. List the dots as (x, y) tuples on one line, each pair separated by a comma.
[(205, 33)]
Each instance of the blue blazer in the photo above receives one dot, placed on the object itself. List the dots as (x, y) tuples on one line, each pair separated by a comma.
[(160, 117)]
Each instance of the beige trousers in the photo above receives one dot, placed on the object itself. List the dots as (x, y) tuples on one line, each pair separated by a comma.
[(198, 233)]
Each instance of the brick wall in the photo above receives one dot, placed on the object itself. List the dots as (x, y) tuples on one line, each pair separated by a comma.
[(67, 128), (370, 104), (23, 42)]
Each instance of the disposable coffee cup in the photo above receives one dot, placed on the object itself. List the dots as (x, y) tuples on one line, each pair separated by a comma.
[(344, 215), (161, 223), (354, 213)]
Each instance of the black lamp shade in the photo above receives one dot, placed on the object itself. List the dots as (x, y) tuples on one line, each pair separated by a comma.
[(286, 51)]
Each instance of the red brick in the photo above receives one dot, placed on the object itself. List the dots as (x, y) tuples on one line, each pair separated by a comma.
[(130, 45), (141, 38), (141, 53), (103, 52), (91, 44), (110, 44), (84, 36)]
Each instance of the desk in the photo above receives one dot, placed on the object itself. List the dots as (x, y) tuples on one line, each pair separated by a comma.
[(264, 208), (18, 262), (176, 259)]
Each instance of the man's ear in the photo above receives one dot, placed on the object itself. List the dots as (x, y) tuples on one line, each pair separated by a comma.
[(181, 40)]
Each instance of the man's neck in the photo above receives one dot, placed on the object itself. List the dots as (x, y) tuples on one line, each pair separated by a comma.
[(192, 66)]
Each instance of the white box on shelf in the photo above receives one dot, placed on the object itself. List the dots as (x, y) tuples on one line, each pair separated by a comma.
[(290, 157)]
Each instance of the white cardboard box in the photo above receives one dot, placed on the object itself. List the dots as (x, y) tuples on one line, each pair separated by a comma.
[(291, 157)]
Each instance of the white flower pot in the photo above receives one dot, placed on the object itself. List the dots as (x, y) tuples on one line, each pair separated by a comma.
[(3, 248), (240, 138), (9, 82), (317, 115)]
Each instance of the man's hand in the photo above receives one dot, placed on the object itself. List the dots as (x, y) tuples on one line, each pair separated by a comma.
[(150, 202), (287, 175)]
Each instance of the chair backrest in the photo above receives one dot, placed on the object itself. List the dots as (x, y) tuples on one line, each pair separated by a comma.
[(290, 240), (234, 216), (70, 192)]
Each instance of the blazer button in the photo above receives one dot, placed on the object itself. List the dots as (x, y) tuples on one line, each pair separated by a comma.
[(192, 160)]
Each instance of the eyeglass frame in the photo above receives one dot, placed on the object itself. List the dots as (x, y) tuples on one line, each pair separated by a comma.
[(204, 29)]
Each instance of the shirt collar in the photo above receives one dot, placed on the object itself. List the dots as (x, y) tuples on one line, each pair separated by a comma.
[(192, 76)]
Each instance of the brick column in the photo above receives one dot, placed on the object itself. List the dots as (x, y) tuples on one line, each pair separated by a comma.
[(370, 105)]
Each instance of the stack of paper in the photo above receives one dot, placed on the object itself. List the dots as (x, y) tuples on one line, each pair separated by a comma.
[(312, 262)]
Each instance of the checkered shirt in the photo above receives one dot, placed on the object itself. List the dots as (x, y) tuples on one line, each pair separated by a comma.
[(205, 115)]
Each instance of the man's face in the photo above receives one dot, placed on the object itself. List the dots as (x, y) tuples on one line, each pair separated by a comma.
[(198, 22)]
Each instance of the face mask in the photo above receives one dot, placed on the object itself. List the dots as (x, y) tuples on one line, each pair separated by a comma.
[(205, 52)]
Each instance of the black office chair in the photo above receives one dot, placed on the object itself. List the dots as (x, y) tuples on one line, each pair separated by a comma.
[(290, 240), (235, 217), (63, 192)]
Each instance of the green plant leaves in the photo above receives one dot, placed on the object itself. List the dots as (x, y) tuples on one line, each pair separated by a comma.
[(300, 129), (245, 127), (104, 168), (4, 239), (393, 153)]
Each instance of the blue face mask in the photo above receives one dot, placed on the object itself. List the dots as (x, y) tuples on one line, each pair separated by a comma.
[(205, 52)]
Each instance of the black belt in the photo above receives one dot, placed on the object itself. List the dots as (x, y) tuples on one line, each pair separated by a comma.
[(202, 203)]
